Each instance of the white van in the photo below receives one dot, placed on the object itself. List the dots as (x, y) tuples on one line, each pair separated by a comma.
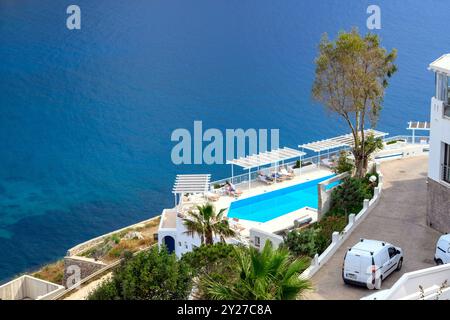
[(442, 254), (369, 262)]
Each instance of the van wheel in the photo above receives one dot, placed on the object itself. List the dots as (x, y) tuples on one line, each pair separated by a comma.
[(399, 264), (439, 262)]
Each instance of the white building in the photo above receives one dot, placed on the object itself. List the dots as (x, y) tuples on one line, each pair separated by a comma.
[(438, 207), (172, 232)]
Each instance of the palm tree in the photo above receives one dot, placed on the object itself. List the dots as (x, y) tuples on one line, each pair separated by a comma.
[(267, 275), (207, 223)]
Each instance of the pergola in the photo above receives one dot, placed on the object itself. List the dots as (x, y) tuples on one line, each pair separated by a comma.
[(417, 125), (344, 141), (264, 158), (191, 183)]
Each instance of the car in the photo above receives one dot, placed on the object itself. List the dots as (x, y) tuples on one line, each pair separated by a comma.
[(369, 262), (442, 254)]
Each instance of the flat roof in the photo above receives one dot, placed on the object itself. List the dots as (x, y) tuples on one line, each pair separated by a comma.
[(265, 158), (339, 141), (442, 64)]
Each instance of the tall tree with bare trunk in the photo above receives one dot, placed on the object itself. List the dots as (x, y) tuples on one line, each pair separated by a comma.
[(352, 74)]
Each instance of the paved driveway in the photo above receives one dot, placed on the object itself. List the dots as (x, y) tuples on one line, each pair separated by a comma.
[(399, 218)]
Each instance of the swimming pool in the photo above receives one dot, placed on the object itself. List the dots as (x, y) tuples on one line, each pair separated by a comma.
[(270, 205)]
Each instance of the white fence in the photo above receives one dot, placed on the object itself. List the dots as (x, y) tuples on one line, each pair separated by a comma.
[(339, 238)]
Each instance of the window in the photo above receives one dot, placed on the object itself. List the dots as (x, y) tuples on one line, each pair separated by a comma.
[(442, 87), (257, 242), (179, 243), (446, 163), (392, 252)]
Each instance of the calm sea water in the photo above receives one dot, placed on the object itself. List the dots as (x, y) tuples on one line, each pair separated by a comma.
[(86, 116)]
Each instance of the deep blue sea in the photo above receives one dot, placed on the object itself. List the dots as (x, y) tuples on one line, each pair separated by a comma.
[(86, 115)]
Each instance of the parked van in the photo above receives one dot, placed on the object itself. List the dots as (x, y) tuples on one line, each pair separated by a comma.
[(442, 254), (369, 262)]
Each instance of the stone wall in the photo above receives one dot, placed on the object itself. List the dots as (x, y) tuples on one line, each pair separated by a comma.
[(78, 268), (438, 206)]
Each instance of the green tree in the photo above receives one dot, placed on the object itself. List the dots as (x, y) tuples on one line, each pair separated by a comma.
[(151, 275), (303, 242), (349, 196), (208, 223), (267, 275), (216, 262), (343, 164), (352, 73)]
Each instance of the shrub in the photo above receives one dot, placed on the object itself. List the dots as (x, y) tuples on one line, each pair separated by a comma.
[(205, 255), (343, 164), (348, 197), (316, 238), (327, 226), (216, 262), (303, 242), (151, 275)]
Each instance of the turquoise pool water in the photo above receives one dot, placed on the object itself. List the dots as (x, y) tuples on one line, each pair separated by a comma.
[(270, 205)]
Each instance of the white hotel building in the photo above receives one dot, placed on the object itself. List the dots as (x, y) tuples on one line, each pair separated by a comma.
[(438, 207)]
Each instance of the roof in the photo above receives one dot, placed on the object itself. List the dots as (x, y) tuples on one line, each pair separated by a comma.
[(191, 183), (442, 64), (417, 125), (369, 245), (265, 158), (339, 142)]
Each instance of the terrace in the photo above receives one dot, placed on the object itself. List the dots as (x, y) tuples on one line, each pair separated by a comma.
[(279, 191)]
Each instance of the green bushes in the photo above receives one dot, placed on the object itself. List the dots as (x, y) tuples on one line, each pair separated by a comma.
[(151, 275), (343, 164), (303, 242), (272, 274), (327, 226), (316, 238), (348, 197)]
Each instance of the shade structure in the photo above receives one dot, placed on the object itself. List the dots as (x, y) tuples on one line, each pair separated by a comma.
[(418, 125), (265, 158), (346, 140), (191, 183)]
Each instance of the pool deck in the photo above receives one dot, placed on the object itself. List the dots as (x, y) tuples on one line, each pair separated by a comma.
[(282, 222)]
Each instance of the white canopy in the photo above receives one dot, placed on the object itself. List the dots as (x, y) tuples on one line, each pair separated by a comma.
[(191, 183), (266, 158), (339, 142)]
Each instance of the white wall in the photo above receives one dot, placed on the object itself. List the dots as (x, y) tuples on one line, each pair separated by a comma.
[(440, 132), (263, 236), (27, 287), (432, 280)]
